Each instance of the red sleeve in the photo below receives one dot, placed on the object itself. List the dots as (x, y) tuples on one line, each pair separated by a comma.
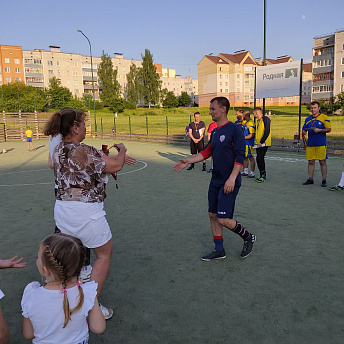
[(206, 152)]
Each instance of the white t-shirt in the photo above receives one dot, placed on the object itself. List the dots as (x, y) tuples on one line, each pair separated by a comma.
[(44, 308), (53, 142)]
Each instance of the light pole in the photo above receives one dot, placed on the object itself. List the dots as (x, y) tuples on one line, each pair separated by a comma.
[(94, 97)]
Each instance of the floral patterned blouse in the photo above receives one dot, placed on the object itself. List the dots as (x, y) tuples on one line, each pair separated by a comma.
[(79, 173)]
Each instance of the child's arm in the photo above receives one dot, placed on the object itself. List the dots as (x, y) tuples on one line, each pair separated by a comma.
[(27, 329), (95, 319)]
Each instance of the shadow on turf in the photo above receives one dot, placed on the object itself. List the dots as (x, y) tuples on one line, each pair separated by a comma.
[(173, 156), (37, 148)]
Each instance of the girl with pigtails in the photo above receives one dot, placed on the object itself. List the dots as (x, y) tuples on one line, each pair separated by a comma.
[(63, 309)]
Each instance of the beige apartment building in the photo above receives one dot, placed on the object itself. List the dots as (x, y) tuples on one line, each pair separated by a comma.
[(233, 76), (37, 67), (328, 65)]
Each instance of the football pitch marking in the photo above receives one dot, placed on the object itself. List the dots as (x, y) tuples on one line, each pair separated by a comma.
[(49, 183)]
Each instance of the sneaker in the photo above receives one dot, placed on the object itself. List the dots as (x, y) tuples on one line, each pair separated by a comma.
[(244, 174), (260, 180), (336, 188), (203, 169), (85, 273), (251, 175), (214, 255), (248, 245), (190, 168), (107, 312), (308, 181), (210, 170), (323, 183)]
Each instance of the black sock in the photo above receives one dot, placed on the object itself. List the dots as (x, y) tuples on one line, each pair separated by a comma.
[(241, 231)]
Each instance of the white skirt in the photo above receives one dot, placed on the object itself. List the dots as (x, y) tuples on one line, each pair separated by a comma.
[(85, 221)]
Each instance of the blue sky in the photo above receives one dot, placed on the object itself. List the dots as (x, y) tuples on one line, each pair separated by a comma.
[(178, 33)]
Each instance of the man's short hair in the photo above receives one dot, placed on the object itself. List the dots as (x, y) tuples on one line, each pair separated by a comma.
[(240, 110), (315, 102), (196, 113), (258, 109), (222, 101), (247, 113)]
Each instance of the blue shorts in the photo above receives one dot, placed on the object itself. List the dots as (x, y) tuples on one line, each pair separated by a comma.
[(29, 139), (220, 203)]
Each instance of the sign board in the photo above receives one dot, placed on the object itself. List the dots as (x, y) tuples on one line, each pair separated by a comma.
[(278, 80)]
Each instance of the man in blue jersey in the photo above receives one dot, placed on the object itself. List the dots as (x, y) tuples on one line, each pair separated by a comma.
[(227, 147), (249, 132), (317, 126)]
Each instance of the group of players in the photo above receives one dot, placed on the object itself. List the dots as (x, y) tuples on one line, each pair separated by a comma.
[(256, 136), (231, 148)]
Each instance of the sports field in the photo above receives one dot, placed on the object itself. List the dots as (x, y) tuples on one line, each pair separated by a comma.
[(289, 290)]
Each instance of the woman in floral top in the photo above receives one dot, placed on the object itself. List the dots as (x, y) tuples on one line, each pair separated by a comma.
[(81, 176)]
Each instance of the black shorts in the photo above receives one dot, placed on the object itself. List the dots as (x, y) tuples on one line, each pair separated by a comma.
[(196, 147)]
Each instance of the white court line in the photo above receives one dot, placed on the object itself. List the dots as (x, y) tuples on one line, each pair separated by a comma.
[(42, 169), (49, 183)]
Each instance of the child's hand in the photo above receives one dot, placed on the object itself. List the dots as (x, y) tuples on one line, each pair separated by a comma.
[(12, 263)]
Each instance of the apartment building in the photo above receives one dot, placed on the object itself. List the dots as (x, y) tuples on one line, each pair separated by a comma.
[(37, 67), (233, 76), (328, 65), (11, 64)]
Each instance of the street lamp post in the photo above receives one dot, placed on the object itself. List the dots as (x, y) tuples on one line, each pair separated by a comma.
[(94, 97)]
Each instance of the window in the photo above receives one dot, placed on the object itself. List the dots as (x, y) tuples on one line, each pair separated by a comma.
[(341, 88), (220, 83), (238, 76), (75, 64), (220, 90), (51, 72), (16, 61), (37, 61), (58, 72), (50, 63), (28, 60), (68, 82), (76, 82), (226, 90), (7, 70), (342, 60), (67, 64), (18, 79), (123, 69), (220, 69), (220, 76), (342, 74), (17, 70), (76, 91), (7, 60), (75, 73), (67, 72), (57, 63)]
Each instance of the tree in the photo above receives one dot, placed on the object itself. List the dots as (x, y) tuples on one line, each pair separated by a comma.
[(184, 99), (150, 80), (133, 85), (111, 89), (58, 96), (340, 100), (16, 96), (171, 101)]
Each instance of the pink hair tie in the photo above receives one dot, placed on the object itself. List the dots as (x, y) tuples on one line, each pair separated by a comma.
[(79, 283), (63, 291)]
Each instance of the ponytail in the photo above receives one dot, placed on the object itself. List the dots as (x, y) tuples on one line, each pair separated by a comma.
[(62, 122)]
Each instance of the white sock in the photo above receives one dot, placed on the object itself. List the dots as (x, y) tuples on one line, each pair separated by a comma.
[(245, 170), (341, 183)]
